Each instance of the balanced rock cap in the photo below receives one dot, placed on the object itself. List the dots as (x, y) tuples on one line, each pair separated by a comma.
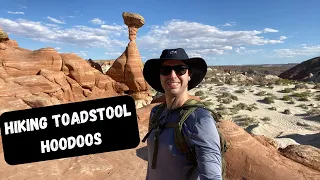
[(3, 35), (133, 20)]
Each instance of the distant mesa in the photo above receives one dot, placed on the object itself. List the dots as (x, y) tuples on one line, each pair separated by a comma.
[(308, 70)]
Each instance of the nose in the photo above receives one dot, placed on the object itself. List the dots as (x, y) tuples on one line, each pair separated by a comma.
[(172, 74)]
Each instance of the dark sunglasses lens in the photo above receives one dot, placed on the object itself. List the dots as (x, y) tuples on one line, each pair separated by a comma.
[(165, 70), (179, 70)]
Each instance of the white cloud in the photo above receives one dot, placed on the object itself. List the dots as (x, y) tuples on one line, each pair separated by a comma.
[(245, 51), (269, 30), (10, 12), (282, 38), (23, 7), (229, 24), (55, 20), (113, 53), (97, 21), (199, 38), (57, 48), (78, 35), (304, 50)]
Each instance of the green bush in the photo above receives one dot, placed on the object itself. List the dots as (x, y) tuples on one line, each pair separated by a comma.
[(199, 93), (300, 86), (268, 100), (266, 119), (314, 111), (286, 98), (261, 93), (252, 107), (287, 90), (303, 106), (240, 91), (245, 120), (272, 108), (287, 111)]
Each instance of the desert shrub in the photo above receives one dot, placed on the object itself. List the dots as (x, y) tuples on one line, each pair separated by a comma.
[(240, 106), (261, 93), (291, 101), (240, 91), (281, 81), (303, 106), (266, 119), (208, 103), (245, 120), (287, 111), (286, 98), (221, 107), (252, 107), (225, 100), (224, 95), (302, 96), (233, 97), (272, 95), (317, 86), (300, 86), (314, 111), (272, 108), (268, 100), (270, 87), (199, 93), (303, 99), (203, 97), (287, 90)]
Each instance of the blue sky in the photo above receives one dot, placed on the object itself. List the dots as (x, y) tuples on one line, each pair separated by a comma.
[(222, 32)]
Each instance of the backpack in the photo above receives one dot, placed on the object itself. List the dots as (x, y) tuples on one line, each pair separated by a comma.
[(190, 106)]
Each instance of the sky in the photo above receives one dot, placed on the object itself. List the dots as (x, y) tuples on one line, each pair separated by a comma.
[(222, 32)]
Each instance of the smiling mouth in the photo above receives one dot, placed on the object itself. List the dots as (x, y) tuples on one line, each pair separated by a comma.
[(173, 84)]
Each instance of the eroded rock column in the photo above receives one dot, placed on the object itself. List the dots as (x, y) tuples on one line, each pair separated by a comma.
[(128, 67)]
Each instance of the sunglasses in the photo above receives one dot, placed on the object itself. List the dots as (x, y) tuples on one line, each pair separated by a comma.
[(179, 70)]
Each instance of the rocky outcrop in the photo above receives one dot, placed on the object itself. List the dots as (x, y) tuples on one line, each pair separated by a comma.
[(304, 154), (306, 71), (128, 67), (45, 77), (250, 157)]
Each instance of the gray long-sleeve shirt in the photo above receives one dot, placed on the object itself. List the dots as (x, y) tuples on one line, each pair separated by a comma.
[(200, 130)]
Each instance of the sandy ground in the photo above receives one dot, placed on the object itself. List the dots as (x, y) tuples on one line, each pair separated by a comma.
[(286, 129)]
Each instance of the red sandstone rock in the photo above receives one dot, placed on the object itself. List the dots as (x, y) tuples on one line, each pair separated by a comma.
[(128, 67), (304, 154), (247, 158)]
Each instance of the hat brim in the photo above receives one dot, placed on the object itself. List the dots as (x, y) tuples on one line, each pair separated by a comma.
[(151, 72)]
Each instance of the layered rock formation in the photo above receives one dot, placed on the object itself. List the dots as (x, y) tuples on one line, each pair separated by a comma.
[(128, 67), (255, 157), (45, 77), (306, 71)]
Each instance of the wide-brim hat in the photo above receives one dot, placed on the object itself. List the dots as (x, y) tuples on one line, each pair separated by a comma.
[(197, 66)]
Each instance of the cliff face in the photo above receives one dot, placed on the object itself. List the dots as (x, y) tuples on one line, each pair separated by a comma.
[(306, 71)]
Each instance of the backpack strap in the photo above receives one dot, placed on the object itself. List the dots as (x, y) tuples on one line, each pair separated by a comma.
[(154, 124), (180, 140), (183, 147), (154, 120)]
